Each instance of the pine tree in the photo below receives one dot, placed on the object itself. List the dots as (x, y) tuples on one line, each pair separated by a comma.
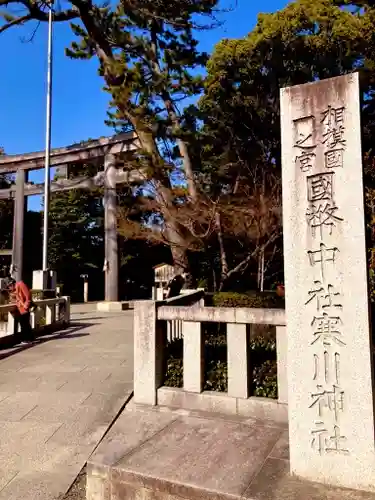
[(147, 53)]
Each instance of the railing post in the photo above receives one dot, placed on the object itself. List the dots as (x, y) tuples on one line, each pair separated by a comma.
[(281, 357), (57, 312), (193, 362), (35, 318), (50, 314), (66, 310), (149, 352), (238, 352), (169, 331), (179, 329), (11, 326)]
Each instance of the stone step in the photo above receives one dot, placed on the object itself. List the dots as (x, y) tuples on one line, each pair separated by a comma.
[(163, 454)]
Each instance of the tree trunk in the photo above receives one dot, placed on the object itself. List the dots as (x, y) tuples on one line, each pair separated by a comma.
[(173, 232), (223, 255), (188, 167), (183, 148), (171, 110)]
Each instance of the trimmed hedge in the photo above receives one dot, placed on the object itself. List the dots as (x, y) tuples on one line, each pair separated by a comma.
[(249, 299)]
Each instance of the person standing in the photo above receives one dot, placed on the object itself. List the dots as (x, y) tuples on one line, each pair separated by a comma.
[(175, 285), (20, 295)]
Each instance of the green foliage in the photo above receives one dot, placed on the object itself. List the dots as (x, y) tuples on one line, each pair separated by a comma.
[(250, 299), (305, 41), (301, 43), (76, 243), (174, 372), (174, 375), (263, 358), (265, 380), (149, 56), (147, 53), (216, 376)]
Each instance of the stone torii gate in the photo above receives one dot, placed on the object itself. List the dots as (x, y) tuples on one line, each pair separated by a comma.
[(112, 153)]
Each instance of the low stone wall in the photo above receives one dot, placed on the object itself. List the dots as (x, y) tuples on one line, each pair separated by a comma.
[(153, 323), (50, 313)]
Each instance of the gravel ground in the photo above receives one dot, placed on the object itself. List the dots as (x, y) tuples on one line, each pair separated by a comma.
[(78, 489)]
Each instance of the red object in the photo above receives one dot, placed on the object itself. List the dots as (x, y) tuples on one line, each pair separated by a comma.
[(23, 297), (280, 290)]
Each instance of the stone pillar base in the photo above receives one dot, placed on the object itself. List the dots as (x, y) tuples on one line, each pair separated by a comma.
[(113, 306), (44, 280)]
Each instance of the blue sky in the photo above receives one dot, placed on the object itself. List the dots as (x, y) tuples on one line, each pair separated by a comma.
[(79, 104)]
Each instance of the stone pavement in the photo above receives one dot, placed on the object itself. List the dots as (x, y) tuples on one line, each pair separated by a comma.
[(57, 399), (165, 454)]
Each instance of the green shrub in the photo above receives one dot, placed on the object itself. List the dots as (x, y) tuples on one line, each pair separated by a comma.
[(174, 355), (174, 373), (216, 378), (249, 299), (263, 362), (265, 380)]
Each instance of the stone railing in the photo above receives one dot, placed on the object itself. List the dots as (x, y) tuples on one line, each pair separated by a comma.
[(50, 313), (151, 320), (44, 294), (187, 297)]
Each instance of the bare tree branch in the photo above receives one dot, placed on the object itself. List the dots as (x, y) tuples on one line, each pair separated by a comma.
[(32, 36), (36, 12), (15, 22), (253, 254)]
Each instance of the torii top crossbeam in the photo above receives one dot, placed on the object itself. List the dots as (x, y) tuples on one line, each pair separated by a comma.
[(76, 153)]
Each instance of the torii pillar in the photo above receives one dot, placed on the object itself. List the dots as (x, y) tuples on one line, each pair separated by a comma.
[(111, 265), (110, 230), (18, 226)]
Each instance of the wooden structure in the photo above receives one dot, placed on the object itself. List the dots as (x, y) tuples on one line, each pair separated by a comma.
[(163, 273)]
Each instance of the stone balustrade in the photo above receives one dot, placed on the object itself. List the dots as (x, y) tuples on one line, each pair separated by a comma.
[(155, 323), (49, 313)]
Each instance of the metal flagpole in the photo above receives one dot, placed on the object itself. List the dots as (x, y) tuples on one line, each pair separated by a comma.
[(48, 141)]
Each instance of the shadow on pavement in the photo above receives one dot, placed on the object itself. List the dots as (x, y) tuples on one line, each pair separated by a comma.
[(93, 318), (7, 347), (88, 319)]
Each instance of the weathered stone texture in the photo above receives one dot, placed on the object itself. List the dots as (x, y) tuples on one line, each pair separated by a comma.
[(329, 356)]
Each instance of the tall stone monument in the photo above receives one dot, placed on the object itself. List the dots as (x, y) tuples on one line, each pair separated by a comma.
[(330, 389)]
